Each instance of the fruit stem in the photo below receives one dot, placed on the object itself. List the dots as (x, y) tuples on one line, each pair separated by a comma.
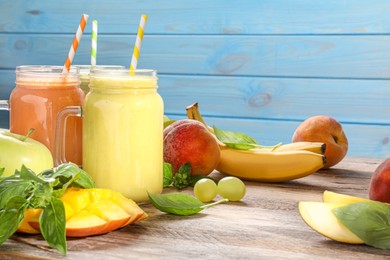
[(23, 138), (193, 113), (214, 203)]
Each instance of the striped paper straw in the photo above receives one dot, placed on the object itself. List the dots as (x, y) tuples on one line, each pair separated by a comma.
[(138, 42), (94, 43), (75, 43)]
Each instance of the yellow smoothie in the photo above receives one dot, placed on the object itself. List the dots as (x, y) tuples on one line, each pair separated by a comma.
[(85, 70), (123, 131)]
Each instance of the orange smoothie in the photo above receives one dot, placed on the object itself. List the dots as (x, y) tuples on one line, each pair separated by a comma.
[(40, 93)]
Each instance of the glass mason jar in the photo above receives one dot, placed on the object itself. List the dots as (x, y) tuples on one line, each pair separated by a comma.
[(123, 131), (85, 71), (40, 93)]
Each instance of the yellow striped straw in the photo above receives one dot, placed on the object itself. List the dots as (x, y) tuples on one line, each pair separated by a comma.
[(138, 42)]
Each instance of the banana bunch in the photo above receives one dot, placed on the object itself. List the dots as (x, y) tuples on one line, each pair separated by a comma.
[(275, 164)]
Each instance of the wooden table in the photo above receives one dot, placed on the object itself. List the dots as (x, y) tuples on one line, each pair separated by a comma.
[(265, 225)]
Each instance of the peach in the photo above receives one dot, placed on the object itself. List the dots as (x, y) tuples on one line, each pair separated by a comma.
[(188, 140), (327, 130), (379, 188)]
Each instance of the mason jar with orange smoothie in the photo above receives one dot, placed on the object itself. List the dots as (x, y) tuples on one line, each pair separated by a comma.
[(40, 93)]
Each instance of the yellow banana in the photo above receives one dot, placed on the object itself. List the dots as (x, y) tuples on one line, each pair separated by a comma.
[(269, 166), (277, 164), (316, 147)]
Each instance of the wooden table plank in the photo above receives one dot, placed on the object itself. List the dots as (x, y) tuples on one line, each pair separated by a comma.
[(265, 224)]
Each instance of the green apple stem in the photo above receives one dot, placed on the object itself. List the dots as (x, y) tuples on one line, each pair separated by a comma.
[(23, 138)]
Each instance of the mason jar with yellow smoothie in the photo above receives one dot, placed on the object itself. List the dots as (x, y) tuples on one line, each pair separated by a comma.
[(122, 142), (85, 71)]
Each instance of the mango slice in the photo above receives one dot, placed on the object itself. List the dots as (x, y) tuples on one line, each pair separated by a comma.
[(319, 216), (333, 197), (89, 212)]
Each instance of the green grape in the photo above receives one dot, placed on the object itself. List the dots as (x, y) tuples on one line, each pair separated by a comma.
[(231, 188), (205, 190)]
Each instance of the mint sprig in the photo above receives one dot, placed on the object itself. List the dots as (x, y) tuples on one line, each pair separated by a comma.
[(182, 178)]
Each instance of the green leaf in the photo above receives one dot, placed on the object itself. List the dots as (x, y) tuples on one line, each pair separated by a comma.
[(182, 178), (40, 191), (69, 175), (168, 174), (28, 174), (42, 195), (370, 221), (235, 140), (12, 186), (11, 216), (176, 203), (52, 223), (2, 171), (179, 203)]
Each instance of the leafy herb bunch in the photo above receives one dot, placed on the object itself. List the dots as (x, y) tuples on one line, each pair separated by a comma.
[(25, 189), (182, 178)]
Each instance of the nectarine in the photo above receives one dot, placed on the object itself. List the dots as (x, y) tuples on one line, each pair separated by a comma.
[(189, 140), (327, 130), (379, 188)]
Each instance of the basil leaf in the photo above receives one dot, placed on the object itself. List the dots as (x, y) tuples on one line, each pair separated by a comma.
[(370, 221), (52, 223), (27, 174), (11, 187), (177, 203), (41, 196), (235, 140), (168, 174), (2, 171), (11, 216), (69, 175)]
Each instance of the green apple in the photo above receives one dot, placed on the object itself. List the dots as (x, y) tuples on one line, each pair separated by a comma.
[(16, 150)]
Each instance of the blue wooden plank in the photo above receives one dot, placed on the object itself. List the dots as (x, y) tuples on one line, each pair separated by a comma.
[(4, 119), (284, 56), (350, 101), (7, 83), (364, 140), (362, 101), (200, 17)]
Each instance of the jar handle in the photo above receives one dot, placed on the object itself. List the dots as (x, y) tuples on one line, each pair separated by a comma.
[(60, 132), (4, 105)]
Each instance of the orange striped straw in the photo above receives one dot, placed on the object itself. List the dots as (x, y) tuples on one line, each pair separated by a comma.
[(138, 42), (75, 44)]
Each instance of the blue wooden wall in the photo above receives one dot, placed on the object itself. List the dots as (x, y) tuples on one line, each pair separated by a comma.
[(255, 66)]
